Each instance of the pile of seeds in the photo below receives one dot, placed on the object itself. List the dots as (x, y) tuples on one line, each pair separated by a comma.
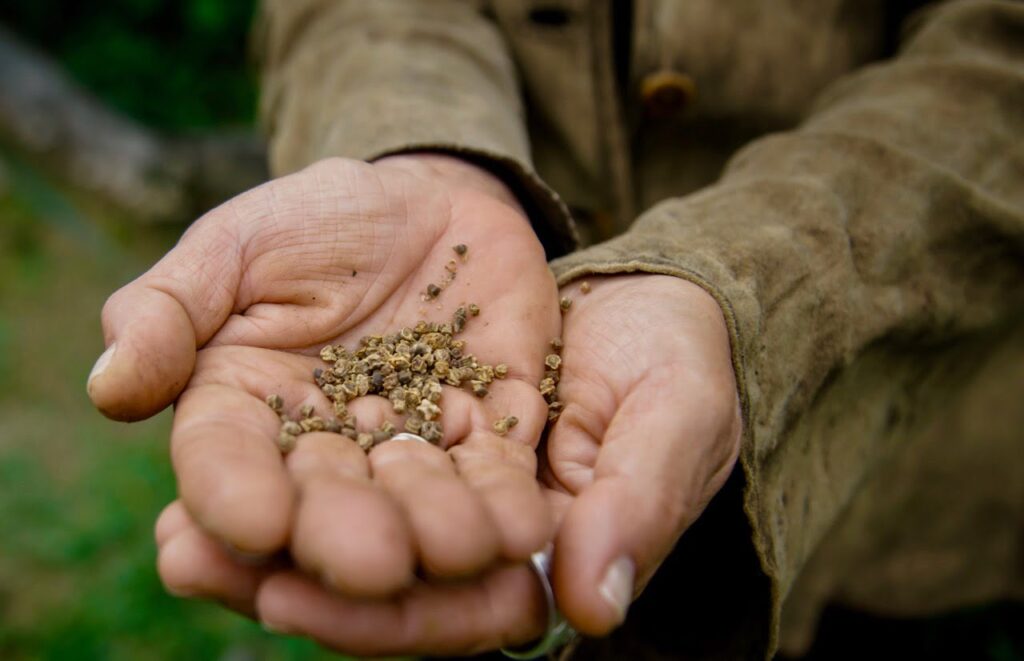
[(408, 368)]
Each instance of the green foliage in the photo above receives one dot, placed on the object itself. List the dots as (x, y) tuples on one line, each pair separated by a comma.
[(174, 64), (79, 493)]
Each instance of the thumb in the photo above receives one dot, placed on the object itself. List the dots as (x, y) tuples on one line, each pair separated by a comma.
[(153, 325), (655, 471)]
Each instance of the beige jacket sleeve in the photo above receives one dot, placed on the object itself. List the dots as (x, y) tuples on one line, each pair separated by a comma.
[(895, 210), (366, 79)]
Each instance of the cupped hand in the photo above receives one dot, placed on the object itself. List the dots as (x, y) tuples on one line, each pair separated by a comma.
[(238, 311), (649, 433)]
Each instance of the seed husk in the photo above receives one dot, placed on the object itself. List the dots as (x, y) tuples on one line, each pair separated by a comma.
[(502, 425)]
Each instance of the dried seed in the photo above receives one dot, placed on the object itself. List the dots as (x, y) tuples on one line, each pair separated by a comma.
[(553, 361), (333, 426), (429, 410), (275, 403), (286, 442), (365, 441), (502, 425), (565, 303), (585, 287), (474, 309), (461, 250), (500, 370), (306, 411), (451, 266), (556, 344), (479, 389), (431, 432), (328, 355), (433, 291), (291, 427)]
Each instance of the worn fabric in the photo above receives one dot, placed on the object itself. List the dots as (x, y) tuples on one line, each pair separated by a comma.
[(845, 177)]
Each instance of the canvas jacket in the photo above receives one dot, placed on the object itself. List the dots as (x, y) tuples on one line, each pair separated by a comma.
[(845, 177)]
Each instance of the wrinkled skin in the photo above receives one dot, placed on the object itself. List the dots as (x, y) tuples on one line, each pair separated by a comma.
[(649, 433)]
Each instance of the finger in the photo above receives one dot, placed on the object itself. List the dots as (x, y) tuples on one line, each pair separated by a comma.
[(230, 474), (348, 531), (453, 533), (153, 325), (504, 608), (502, 471), (657, 467), (172, 519), (192, 564)]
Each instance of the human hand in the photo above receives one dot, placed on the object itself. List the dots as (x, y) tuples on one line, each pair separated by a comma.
[(327, 255), (650, 432)]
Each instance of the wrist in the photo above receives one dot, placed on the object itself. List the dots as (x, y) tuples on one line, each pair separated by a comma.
[(453, 172)]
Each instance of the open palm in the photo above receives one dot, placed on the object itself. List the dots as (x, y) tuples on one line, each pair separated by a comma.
[(238, 311)]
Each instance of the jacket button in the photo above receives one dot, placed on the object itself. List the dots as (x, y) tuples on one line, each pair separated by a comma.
[(666, 92)]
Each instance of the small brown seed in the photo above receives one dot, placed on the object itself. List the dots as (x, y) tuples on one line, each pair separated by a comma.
[(585, 287), (461, 250), (553, 360), (556, 344), (451, 266), (474, 309), (479, 389), (500, 371), (275, 403), (502, 425), (431, 432), (365, 441), (432, 291), (306, 411), (291, 427), (565, 303), (286, 442)]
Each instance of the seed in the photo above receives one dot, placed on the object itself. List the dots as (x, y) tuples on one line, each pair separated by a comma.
[(429, 409), (327, 354), (286, 442), (379, 436), (553, 360), (431, 432), (565, 303), (479, 389), (556, 344), (502, 425), (585, 287), (432, 291), (333, 426), (451, 266), (306, 411), (365, 441), (275, 403), (500, 371), (461, 250), (291, 427)]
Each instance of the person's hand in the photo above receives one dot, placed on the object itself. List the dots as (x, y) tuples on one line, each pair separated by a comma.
[(238, 311), (650, 431)]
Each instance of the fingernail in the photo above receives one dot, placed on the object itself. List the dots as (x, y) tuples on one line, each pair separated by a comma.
[(180, 592), (273, 627), (617, 586), (102, 362)]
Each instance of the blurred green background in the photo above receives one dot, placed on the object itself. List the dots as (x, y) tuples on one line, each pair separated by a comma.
[(79, 494)]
